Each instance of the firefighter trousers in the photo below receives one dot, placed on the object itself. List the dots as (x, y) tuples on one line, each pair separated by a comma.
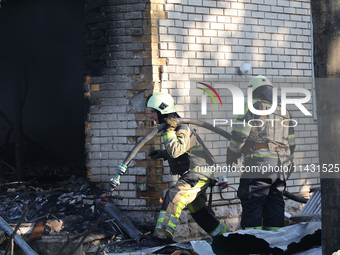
[(190, 191), (262, 203)]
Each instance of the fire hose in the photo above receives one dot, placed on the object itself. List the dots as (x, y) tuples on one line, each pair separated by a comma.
[(123, 166)]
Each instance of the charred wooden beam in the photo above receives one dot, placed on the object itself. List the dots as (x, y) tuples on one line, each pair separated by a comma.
[(18, 126)]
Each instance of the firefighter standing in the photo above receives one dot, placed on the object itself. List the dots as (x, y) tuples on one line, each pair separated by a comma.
[(265, 144), (186, 154)]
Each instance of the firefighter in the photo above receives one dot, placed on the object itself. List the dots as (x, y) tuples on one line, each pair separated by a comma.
[(267, 143), (187, 156)]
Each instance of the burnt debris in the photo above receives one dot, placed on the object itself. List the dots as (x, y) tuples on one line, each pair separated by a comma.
[(62, 209)]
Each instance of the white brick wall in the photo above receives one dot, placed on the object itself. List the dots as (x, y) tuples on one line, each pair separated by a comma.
[(206, 41), (274, 36)]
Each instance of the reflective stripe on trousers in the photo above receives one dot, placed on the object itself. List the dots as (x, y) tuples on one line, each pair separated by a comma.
[(184, 192), (219, 230), (169, 227)]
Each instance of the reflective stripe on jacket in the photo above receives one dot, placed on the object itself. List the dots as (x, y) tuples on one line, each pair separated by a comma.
[(250, 128), (185, 150)]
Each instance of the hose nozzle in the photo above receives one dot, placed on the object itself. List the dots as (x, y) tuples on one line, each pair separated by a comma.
[(114, 182)]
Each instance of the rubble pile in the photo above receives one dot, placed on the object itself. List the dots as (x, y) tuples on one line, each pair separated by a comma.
[(66, 208), (62, 212), (71, 197), (72, 217)]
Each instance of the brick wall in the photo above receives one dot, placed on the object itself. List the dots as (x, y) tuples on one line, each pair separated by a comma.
[(136, 47), (206, 41), (122, 70)]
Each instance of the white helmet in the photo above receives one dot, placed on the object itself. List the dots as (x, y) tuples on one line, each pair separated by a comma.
[(162, 102), (259, 81)]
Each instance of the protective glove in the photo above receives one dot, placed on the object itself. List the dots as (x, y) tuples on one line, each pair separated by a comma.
[(171, 124), (232, 157), (155, 154)]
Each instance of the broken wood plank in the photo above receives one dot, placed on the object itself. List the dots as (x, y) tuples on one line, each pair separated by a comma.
[(306, 217), (2, 235), (37, 231), (8, 165), (18, 240), (25, 228), (178, 252), (9, 183), (12, 247), (94, 237), (21, 78)]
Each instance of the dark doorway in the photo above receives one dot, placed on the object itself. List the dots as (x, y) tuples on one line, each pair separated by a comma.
[(41, 52)]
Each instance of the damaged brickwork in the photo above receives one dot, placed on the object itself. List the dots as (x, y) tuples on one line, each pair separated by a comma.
[(123, 67)]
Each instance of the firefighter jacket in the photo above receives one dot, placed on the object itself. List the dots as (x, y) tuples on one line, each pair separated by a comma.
[(185, 151), (265, 138)]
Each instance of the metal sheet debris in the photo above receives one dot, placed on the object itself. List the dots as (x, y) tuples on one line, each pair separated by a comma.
[(158, 250), (202, 247), (312, 210), (287, 238), (314, 251), (314, 204)]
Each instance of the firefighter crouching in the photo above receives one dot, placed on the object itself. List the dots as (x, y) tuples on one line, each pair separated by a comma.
[(186, 154), (264, 144)]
